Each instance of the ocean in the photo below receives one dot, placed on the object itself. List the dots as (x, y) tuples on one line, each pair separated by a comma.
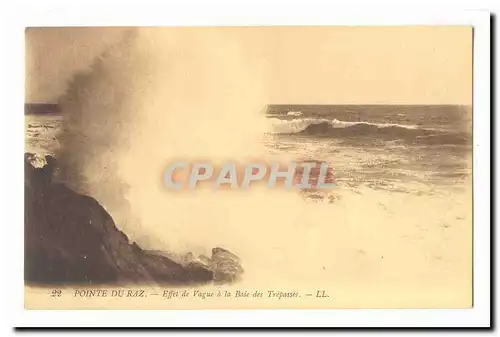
[(399, 221), (407, 149)]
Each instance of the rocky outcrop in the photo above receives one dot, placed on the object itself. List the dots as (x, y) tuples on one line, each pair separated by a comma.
[(71, 239), (226, 266), (191, 261)]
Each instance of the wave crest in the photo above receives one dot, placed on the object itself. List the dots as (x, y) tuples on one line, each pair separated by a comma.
[(387, 131)]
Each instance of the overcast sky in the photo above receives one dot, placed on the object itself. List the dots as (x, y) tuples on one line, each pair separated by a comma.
[(308, 65)]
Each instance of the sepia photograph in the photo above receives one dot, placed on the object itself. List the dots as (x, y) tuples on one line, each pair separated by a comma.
[(278, 170), (248, 124)]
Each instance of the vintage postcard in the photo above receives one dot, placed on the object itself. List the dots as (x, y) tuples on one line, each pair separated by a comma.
[(259, 167)]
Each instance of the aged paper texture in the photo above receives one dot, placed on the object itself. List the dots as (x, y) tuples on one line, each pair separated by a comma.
[(383, 113)]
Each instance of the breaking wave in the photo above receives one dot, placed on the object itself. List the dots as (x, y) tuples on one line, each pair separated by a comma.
[(321, 127)]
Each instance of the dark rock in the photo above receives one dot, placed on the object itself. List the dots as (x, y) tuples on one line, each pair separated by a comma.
[(226, 266), (190, 261), (70, 238)]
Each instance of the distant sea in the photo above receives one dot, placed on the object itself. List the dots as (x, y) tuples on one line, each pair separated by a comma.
[(403, 197), (398, 148)]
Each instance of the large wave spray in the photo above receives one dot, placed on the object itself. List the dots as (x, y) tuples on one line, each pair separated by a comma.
[(193, 93), (164, 94)]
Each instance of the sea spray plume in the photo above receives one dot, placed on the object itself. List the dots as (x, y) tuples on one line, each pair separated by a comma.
[(169, 93), (206, 104), (96, 108), (158, 93)]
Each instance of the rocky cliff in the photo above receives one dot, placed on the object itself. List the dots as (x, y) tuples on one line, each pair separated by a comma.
[(71, 239)]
